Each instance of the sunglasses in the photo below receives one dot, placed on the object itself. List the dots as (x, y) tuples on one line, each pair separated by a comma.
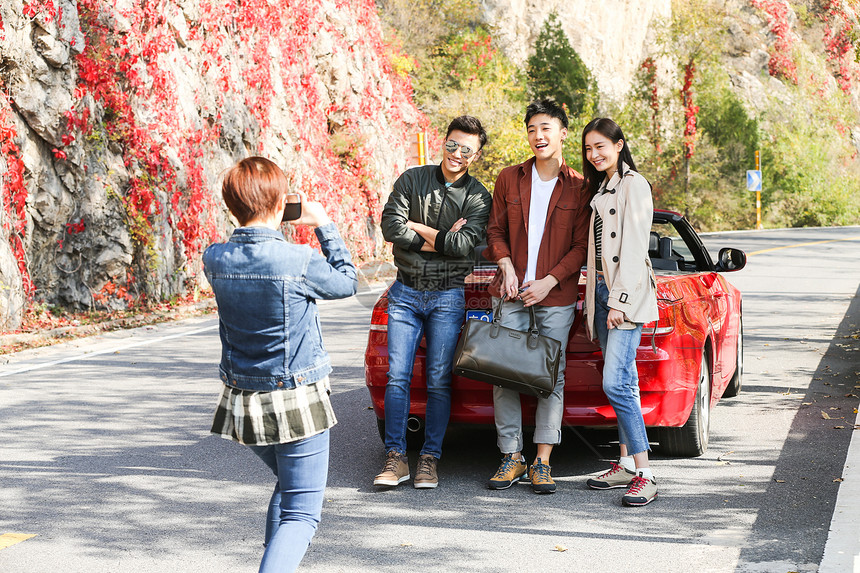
[(465, 151)]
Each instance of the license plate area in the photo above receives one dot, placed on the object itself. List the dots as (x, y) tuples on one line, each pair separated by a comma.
[(485, 315)]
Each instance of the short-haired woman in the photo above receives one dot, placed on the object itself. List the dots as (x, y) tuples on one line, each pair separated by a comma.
[(273, 363), (620, 295)]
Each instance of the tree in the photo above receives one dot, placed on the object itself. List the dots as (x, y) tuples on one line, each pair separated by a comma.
[(556, 71)]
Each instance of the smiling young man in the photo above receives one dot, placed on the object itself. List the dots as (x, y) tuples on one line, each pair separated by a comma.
[(538, 235), (435, 216)]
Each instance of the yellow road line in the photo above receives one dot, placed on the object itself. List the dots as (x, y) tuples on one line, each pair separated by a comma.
[(10, 539), (802, 245)]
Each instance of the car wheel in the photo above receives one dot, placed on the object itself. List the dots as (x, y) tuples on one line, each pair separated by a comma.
[(734, 387), (691, 439), (414, 438)]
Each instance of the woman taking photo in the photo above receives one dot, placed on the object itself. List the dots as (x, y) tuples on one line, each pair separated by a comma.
[(620, 295), (274, 366)]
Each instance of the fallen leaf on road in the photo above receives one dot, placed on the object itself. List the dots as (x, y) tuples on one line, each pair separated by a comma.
[(779, 480), (838, 427), (825, 415), (849, 395), (839, 479), (405, 544), (827, 383), (720, 457), (559, 548), (817, 378), (806, 403)]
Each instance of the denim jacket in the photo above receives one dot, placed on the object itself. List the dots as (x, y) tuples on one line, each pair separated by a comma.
[(266, 290)]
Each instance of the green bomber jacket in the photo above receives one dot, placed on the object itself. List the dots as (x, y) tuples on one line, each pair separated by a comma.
[(420, 195)]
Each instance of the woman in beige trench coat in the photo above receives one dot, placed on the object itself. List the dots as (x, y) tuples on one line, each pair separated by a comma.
[(620, 295)]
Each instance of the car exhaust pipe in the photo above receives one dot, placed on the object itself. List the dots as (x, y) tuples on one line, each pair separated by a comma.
[(414, 424)]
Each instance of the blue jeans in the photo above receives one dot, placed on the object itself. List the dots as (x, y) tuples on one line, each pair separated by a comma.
[(438, 315), (620, 377), (296, 504)]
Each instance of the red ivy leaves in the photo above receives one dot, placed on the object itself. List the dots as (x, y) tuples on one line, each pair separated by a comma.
[(650, 69), (75, 228), (691, 110), (14, 190), (129, 76), (839, 30), (781, 63), (37, 7)]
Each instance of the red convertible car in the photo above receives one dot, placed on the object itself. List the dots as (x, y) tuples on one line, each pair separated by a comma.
[(689, 359)]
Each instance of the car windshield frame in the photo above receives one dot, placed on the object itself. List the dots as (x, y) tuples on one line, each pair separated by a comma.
[(688, 235)]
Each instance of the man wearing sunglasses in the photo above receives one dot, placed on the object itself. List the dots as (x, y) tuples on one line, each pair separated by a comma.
[(434, 217)]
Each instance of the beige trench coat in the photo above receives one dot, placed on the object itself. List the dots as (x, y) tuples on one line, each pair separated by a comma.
[(627, 210)]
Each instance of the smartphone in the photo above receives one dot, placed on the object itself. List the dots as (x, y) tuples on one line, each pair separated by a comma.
[(293, 208)]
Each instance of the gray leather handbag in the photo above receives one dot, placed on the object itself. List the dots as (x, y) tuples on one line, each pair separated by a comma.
[(523, 361)]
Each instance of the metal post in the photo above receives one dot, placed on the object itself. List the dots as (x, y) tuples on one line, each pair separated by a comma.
[(422, 156), (758, 224)]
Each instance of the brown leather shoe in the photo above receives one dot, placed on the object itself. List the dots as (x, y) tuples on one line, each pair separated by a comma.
[(394, 472), (425, 475)]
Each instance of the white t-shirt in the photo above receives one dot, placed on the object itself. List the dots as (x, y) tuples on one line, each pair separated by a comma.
[(538, 207)]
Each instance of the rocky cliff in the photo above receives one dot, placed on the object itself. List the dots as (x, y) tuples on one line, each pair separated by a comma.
[(612, 37), (117, 117)]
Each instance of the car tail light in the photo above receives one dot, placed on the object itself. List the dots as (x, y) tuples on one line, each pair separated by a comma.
[(663, 325), (379, 318)]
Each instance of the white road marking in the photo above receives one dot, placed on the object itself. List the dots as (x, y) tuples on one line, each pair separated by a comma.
[(86, 355)]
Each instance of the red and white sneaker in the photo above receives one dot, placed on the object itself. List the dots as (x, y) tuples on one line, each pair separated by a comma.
[(617, 476), (642, 491)]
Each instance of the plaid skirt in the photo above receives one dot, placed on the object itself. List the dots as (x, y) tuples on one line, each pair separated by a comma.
[(276, 417)]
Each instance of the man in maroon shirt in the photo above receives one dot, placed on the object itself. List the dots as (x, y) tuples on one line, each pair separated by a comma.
[(538, 234)]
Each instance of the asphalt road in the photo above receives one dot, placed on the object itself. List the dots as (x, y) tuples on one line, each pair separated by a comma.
[(107, 458)]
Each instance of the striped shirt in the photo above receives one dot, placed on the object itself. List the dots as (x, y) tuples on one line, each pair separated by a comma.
[(598, 241), (277, 417)]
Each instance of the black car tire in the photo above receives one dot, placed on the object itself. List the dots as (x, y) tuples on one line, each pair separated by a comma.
[(414, 440), (691, 439), (734, 387)]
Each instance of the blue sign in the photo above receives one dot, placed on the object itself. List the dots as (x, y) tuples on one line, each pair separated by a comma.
[(484, 315), (754, 180)]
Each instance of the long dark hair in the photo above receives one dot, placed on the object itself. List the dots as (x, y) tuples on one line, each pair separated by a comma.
[(609, 129)]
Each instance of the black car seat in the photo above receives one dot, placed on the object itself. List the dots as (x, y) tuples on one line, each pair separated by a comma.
[(661, 253)]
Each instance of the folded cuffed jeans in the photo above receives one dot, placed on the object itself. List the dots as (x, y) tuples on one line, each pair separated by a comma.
[(620, 377), (553, 322)]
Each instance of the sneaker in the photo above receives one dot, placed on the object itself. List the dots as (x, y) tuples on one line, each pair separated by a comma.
[(642, 491), (425, 475), (510, 472), (542, 482), (394, 472), (617, 476)]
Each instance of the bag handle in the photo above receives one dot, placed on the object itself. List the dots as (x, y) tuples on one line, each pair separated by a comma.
[(497, 320), (534, 332)]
